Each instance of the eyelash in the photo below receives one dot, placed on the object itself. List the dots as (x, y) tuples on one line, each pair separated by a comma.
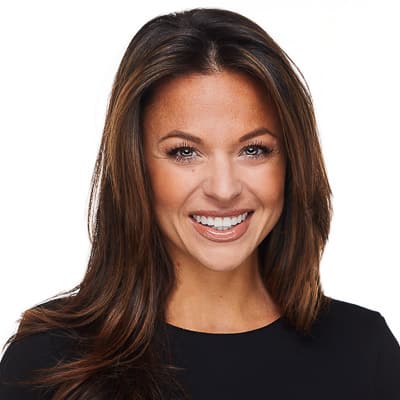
[(184, 145)]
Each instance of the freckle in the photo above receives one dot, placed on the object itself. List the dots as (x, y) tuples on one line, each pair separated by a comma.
[(192, 170)]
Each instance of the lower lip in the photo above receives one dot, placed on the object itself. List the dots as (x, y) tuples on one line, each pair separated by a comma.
[(227, 235)]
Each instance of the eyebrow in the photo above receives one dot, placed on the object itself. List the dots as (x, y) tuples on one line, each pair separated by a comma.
[(196, 139)]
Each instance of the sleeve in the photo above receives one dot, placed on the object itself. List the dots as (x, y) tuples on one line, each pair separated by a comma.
[(387, 378), (19, 361)]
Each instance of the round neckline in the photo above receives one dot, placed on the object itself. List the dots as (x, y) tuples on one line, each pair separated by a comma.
[(270, 325)]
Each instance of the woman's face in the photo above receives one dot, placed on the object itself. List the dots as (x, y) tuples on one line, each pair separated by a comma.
[(217, 170)]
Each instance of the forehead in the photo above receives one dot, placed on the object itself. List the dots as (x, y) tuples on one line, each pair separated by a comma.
[(213, 103)]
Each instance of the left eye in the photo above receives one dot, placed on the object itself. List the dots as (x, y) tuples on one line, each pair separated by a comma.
[(185, 150), (254, 148)]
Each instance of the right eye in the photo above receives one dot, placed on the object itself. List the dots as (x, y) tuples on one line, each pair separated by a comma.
[(181, 153)]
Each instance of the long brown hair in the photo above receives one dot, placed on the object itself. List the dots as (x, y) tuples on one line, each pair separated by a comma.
[(115, 313)]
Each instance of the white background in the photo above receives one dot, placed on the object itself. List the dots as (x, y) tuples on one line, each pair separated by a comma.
[(58, 60)]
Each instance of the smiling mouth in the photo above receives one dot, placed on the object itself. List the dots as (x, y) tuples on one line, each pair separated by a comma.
[(223, 231), (221, 223)]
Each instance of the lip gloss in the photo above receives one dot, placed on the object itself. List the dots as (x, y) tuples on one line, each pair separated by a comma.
[(227, 235)]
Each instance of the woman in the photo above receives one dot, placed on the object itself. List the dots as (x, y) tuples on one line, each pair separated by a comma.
[(209, 212)]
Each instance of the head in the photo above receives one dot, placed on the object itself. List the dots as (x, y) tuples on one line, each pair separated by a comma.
[(208, 166), (216, 75)]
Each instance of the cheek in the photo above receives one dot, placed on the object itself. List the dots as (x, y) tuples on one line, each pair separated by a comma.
[(269, 185), (170, 186)]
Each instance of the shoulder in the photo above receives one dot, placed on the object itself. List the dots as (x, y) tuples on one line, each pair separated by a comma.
[(38, 350), (357, 326), (342, 321), (349, 315), (23, 357)]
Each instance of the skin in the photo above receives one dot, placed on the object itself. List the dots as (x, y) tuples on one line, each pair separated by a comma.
[(219, 289)]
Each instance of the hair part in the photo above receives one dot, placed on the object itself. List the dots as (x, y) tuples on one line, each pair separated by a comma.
[(113, 318)]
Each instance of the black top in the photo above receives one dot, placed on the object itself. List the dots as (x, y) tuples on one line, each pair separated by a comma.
[(352, 354)]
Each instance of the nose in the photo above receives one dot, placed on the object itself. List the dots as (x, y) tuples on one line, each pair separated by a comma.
[(222, 182)]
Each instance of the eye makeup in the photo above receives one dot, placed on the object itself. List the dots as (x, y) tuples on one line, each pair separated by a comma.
[(183, 152)]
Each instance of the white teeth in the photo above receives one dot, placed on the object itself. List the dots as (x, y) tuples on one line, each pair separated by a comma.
[(219, 222)]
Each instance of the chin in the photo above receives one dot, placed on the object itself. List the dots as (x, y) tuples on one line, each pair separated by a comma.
[(229, 263)]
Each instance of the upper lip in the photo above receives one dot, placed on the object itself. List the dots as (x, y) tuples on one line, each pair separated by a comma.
[(213, 213)]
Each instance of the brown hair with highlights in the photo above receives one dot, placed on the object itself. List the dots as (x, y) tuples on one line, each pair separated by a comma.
[(113, 317)]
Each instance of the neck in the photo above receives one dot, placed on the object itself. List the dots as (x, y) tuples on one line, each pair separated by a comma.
[(215, 301)]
